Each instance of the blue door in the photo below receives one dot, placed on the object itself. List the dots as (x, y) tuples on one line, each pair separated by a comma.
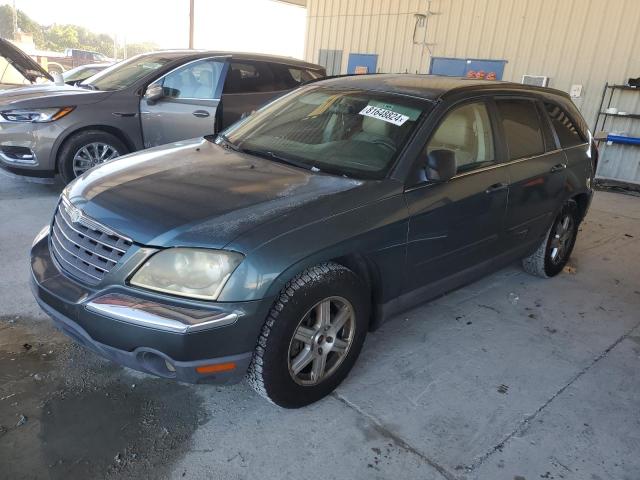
[(460, 67), (362, 63)]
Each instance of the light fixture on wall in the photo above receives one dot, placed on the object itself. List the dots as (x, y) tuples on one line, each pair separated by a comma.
[(422, 22)]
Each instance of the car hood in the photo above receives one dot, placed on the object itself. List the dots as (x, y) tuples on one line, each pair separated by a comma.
[(22, 62), (196, 193), (49, 95)]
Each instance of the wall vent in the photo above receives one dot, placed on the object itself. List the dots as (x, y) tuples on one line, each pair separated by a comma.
[(537, 80)]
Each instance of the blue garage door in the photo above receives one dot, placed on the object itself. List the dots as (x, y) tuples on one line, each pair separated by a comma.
[(459, 67), (362, 63)]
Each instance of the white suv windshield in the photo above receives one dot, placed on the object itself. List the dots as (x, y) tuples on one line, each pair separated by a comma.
[(343, 131)]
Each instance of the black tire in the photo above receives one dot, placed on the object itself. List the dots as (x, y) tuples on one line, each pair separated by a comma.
[(76, 142), (542, 263), (269, 373)]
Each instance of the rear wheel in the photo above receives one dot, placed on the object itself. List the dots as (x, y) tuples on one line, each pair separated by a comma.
[(312, 337), (87, 149), (556, 247)]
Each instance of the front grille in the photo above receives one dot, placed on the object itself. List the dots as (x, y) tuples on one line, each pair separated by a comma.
[(84, 248)]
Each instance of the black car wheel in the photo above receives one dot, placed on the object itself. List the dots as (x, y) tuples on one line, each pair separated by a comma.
[(312, 337), (87, 149), (556, 247)]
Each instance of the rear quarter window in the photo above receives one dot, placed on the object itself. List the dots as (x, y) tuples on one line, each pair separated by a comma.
[(568, 132), (521, 127)]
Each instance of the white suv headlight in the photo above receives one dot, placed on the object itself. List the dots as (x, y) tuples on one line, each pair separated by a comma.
[(188, 272)]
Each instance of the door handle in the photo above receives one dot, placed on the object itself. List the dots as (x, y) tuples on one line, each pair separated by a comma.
[(558, 168), (200, 113), (496, 187)]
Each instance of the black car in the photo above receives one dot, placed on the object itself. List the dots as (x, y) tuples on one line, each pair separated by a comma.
[(271, 249)]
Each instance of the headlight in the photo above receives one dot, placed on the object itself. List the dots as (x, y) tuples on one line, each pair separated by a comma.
[(189, 272), (39, 115)]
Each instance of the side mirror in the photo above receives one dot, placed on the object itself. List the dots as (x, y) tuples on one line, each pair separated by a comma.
[(441, 165), (153, 93)]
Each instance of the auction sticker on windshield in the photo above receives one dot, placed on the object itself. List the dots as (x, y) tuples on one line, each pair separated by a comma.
[(384, 114)]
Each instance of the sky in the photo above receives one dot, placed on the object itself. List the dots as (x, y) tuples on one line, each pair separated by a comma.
[(263, 26)]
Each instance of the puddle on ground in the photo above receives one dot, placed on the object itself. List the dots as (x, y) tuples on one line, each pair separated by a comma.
[(85, 417)]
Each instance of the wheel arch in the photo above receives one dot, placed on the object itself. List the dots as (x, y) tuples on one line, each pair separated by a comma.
[(121, 135), (582, 201), (363, 267)]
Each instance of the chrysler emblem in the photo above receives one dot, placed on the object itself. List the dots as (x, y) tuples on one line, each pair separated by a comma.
[(75, 214)]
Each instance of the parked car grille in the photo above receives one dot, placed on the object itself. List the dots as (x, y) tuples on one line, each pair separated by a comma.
[(84, 248)]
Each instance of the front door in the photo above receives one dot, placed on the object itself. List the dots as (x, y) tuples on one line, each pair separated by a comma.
[(457, 224), (187, 109)]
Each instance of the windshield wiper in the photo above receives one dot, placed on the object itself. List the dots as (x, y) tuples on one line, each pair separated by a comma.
[(88, 86), (225, 142), (269, 155)]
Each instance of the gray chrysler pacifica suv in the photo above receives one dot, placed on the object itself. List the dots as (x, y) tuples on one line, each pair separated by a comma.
[(148, 100), (271, 249)]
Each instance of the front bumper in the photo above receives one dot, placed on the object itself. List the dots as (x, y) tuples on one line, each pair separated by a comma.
[(38, 139), (142, 342)]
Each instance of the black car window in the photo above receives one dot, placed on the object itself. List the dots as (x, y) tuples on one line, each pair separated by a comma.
[(301, 75), (349, 132), (565, 128), (521, 126), (252, 77), (466, 131)]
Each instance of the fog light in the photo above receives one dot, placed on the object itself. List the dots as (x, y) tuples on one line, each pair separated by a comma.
[(16, 154), (217, 367)]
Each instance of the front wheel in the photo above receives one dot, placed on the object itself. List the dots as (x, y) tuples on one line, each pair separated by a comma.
[(556, 247), (312, 336), (87, 149)]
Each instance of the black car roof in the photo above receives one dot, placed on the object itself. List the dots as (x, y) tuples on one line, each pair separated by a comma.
[(429, 87), (179, 54)]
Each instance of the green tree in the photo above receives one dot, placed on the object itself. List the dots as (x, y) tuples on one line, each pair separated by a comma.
[(59, 37)]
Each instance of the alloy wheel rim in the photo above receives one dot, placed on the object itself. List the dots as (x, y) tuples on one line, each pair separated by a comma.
[(91, 155), (321, 341), (561, 239)]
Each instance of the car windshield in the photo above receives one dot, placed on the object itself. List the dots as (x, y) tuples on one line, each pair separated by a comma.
[(124, 74), (352, 132), (80, 73)]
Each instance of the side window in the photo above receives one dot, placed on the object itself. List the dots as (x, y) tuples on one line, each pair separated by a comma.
[(301, 75), (568, 133), (253, 77), (522, 130), (198, 80), (467, 132)]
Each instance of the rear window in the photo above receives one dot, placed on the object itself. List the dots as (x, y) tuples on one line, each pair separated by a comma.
[(521, 126), (567, 131)]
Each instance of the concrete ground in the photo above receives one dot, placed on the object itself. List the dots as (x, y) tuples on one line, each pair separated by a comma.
[(512, 377)]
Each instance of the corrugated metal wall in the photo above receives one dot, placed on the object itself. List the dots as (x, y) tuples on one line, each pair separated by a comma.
[(587, 42)]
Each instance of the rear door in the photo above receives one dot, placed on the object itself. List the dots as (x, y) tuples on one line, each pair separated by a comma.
[(537, 169), (188, 108), (458, 224), (251, 84)]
